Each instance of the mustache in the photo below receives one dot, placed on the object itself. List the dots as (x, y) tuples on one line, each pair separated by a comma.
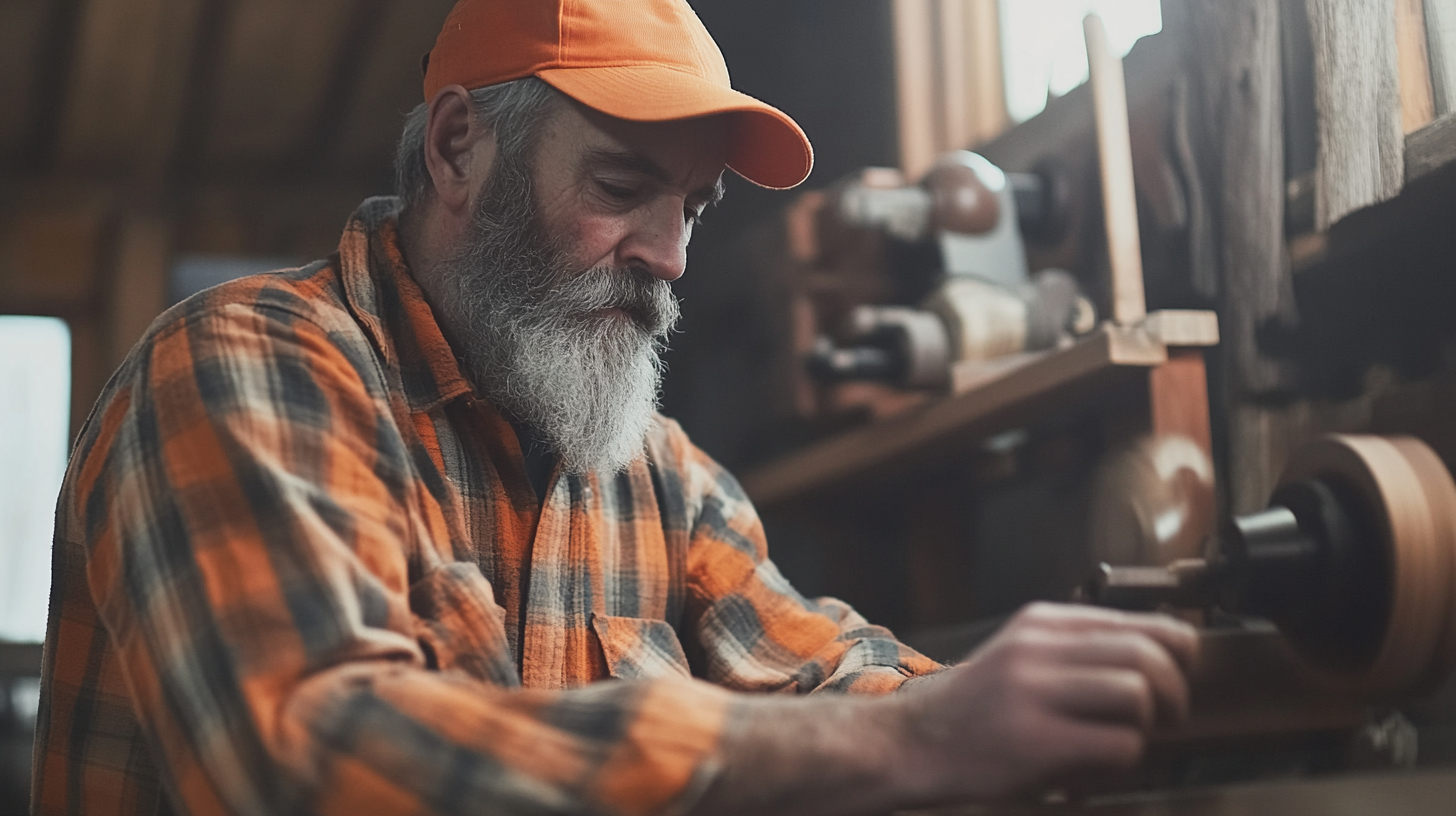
[(648, 300)]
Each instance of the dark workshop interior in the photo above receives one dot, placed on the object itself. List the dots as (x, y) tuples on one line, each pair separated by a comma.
[(1145, 303)]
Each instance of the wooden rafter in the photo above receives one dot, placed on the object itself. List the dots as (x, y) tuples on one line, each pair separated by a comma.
[(277, 59), (127, 88), (361, 37), (200, 97), (48, 98)]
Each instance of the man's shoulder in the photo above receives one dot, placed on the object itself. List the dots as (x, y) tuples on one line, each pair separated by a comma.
[(313, 293), (276, 305), (248, 316)]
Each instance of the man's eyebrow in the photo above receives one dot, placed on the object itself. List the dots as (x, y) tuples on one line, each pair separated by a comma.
[(627, 160), (638, 163)]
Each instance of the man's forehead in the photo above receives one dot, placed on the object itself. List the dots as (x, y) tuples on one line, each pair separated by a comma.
[(688, 152)]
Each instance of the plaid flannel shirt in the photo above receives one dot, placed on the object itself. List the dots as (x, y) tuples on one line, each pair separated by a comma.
[(299, 568)]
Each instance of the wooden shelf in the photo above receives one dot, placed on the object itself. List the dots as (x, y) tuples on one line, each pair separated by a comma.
[(987, 398), (1426, 792)]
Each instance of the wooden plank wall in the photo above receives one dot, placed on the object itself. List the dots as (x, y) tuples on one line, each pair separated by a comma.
[(1357, 94), (948, 78)]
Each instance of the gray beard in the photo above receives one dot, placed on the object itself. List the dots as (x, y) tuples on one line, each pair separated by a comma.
[(531, 333)]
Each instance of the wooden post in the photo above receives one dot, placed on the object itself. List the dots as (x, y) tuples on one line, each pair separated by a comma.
[(1178, 396), (1119, 197), (139, 282), (1235, 116)]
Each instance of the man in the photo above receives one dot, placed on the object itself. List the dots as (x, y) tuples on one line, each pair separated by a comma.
[(371, 536)]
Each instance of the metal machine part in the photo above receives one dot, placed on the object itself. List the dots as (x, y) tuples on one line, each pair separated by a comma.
[(1043, 202), (964, 194), (964, 203), (1354, 560), (966, 319), (893, 343), (987, 305)]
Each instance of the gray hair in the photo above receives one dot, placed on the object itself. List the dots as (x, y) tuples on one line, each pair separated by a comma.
[(513, 110)]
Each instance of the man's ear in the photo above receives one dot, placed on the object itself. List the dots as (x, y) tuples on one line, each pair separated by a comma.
[(459, 150)]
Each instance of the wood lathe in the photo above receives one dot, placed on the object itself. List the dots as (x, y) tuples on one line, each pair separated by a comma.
[(1353, 562)]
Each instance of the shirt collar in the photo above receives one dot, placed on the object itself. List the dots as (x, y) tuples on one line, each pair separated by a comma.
[(390, 306)]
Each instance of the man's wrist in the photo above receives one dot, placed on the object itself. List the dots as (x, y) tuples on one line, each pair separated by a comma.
[(909, 726)]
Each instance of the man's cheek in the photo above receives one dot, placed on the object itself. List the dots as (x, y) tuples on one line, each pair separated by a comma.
[(593, 241)]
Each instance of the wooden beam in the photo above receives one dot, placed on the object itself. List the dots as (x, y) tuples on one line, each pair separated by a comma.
[(90, 367), (22, 26), (20, 660), (1233, 117), (128, 88), (48, 98), (389, 81), (955, 123), (277, 59), (361, 36), (948, 78), (200, 98)]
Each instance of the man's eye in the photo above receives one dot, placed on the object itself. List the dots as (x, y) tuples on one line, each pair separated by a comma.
[(693, 215), (617, 192)]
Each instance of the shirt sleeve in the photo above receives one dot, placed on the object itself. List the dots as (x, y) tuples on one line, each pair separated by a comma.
[(754, 631), (244, 498)]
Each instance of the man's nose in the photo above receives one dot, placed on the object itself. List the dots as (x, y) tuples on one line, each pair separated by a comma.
[(659, 243)]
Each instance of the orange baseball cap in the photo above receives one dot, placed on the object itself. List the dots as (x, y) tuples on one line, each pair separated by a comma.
[(643, 60)]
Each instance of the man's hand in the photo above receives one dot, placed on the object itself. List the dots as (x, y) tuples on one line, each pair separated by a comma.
[(1060, 690)]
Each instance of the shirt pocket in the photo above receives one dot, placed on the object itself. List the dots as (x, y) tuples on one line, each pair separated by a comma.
[(640, 648)]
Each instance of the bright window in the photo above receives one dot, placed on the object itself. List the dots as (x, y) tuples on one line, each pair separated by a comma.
[(35, 399), (1043, 47)]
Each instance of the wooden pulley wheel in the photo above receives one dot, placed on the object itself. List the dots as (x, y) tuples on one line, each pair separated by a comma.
[(1152, 502), (1410, 502)]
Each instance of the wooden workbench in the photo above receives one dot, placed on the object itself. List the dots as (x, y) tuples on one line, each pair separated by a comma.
[(1411, 793)]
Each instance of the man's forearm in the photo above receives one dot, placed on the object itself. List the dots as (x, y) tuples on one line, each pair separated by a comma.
[(806, 756)]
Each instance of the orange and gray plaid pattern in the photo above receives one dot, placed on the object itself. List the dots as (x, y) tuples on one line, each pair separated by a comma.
[(299, 568)]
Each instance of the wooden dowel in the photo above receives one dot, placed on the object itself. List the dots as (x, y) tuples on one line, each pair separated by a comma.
[(1114, 153)]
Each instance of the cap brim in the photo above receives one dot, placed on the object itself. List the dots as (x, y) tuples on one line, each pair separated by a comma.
[(765, 145)]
